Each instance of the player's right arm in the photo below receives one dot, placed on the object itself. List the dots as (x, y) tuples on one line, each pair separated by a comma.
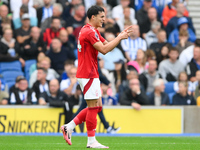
[(111, 45)]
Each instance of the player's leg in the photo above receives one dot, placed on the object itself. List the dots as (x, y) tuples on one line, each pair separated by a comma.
[(94, 106), (67, 129)]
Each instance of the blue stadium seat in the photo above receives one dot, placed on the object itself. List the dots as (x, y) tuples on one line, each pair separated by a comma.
[(171, 97), (11, 75), (6, 66), (10, 84), (28, 64), (169, 87)]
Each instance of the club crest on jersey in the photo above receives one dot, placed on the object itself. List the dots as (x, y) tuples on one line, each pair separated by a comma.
[(96, 35)]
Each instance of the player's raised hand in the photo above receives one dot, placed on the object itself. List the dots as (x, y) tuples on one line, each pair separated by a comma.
[(126, 32)]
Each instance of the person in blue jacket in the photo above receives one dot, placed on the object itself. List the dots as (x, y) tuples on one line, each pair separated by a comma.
[(173, 22), (182, 97), (182, 25)]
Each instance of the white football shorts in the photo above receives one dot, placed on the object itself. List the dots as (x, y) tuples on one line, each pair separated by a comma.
[(90, 88)]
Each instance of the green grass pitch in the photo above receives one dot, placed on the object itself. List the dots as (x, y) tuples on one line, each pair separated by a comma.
[(115, 143)]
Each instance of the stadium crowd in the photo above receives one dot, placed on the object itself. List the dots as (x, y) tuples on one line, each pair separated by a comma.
[(159, 64)]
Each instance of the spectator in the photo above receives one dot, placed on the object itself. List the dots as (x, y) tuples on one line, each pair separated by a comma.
[(151, 36), (131, 74), (148, 77), (23, 33), (145, 18), (42, 84), (15, 5), (4, 18), (182, 77), (57, 98), (53, 31), (117, 11), (121, 21), (15, 86), (4, 11), (44, 12), (163, 54), (34, 66), (8, 48), (5, 23), (150, 55), (170, 11), (133, 43), (67, 40), (140, 62), (118, 75), (59, 55), (134, 96), (183, 41), (69, 8), (68, 64), (196, 85), (103, 3), (108, 58), (171, 67), (187, 54), (4, 96), (104, 71), (173, 22), (88, 4), (182, 26), (157, 46), (40, 3), (75, 22), (33, 45), (57, 12), (107, 95), (23, 95), (183, 98), (69, 85), (24, 10), (158, 96), (51, 73), (194, 65), (18, 12)]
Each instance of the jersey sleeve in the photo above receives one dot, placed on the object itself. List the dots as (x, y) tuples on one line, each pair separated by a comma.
[(102, 39), (93, 37)]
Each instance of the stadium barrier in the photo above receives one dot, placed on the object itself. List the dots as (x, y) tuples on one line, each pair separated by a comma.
[(150, 119)]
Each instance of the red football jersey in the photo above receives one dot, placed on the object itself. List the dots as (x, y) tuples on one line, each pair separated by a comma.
[(87, 54)]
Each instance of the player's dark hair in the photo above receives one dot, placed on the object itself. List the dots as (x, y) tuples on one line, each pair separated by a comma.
[(94, 10)]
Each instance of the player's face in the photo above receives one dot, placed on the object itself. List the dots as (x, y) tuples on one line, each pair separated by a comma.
[(99, 19)]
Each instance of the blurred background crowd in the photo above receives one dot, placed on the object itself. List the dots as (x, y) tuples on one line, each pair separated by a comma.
[(159, 64)]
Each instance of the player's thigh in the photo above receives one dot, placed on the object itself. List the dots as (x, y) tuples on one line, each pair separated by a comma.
[(90, 88), (94, 103)]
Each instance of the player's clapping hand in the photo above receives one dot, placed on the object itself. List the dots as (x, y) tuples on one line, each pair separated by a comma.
[(126, 32)]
